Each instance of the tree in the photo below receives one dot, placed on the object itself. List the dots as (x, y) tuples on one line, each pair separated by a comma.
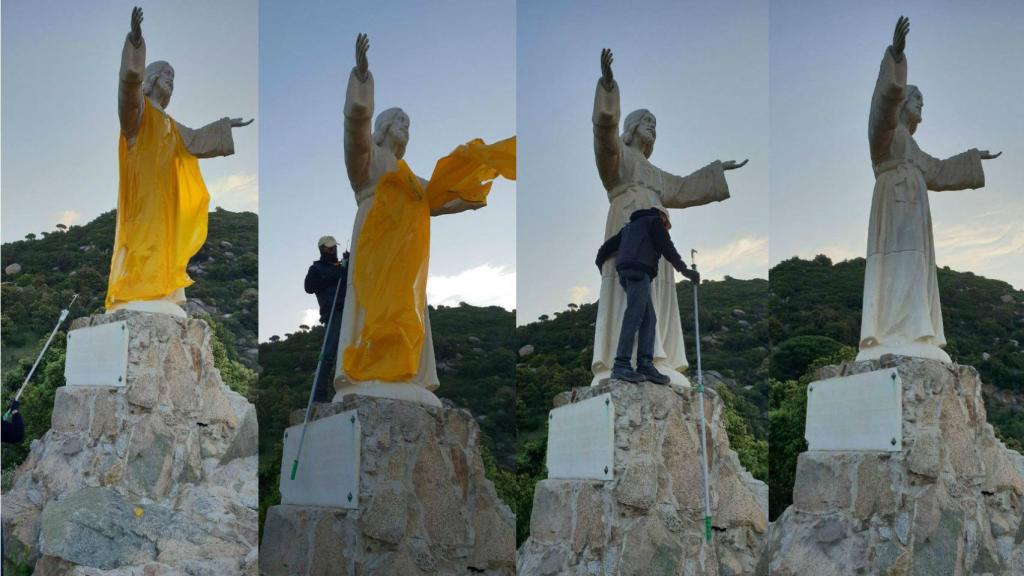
[(30, 236), (62, 227), (275, 338)]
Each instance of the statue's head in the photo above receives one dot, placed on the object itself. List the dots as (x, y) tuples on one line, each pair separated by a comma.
[(640, 131), (158, 82), (910, 109), (391, 130)]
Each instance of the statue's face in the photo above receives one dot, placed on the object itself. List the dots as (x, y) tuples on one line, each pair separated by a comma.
[(915, 105), (399, 128), (647, 129), (163, 86)]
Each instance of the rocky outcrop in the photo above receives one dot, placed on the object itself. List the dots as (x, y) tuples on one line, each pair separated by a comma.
[(157, 477), (426, 507), (949, 503), (650, 519)]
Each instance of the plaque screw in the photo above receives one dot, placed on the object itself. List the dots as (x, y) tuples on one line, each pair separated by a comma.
[(607, 401), (606, 470), (353, 420), (893, 442), (119, 378), (810, 389), (349, 496), (893, 376)]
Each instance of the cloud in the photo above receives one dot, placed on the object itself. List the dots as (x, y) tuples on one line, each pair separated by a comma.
[(746, 257), (310, 317), (238, 192), (579, 294), (835, 252), (68, 217), (991, 245), (484, 285)]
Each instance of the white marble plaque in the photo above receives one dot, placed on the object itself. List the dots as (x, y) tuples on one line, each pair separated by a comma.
[(581, 440), (97, 355), (328, 468), (859, 412)]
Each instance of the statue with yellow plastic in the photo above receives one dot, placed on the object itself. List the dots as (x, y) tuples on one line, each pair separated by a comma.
[(385, 344), (162, 202)]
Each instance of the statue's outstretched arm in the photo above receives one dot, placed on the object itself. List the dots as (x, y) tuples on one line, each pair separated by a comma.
[(607, 143), (129, 88), (358, 116)]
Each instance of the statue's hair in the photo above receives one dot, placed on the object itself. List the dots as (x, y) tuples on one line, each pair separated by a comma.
[(911, 90), (632, 122), (383, 122), (149, 77)]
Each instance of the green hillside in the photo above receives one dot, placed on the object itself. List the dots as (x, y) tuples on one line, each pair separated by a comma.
[(55, 265), (734, 351), (815, 320), (475, 363)]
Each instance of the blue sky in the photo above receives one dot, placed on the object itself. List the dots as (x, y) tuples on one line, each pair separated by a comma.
[(967, 59), (60, 63), (702, 69), (450, 66)]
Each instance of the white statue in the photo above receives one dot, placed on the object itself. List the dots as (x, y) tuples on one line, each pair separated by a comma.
[(633, 183), (162, 201), (369, 155), (901, 312)]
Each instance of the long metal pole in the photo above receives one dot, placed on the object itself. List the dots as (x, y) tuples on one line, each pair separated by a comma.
[(319, 362), (700, 396), (63, 316)]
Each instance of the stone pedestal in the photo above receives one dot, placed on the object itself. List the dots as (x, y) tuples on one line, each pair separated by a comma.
[(950, 502), (649, 520), (425, 506), (158, 476)]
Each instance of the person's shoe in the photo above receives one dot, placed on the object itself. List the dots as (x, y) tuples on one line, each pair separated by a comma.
[(627, 375), (652, 375)]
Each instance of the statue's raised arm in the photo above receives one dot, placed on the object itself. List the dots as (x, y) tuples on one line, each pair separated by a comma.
[(607, 144), (890, 90), (358, 116), (129, 87)]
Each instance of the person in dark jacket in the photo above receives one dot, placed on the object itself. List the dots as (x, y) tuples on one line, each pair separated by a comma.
[(638, 247), (324, 277), (13, 430)]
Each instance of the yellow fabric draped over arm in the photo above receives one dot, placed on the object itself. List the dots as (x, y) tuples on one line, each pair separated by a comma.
[(162, 213), (393, 254)]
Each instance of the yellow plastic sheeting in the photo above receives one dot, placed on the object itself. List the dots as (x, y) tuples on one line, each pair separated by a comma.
[(393, 252), (162, 213)]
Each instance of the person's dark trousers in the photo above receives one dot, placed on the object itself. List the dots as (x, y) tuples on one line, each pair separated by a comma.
[(325, 378), (638, 322)]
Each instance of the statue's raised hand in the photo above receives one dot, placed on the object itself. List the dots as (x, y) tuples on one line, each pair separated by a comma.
[(238, 122), (985, 155), (362, 64), (732, 164), (136, 33), (899, 38), (606, 68)]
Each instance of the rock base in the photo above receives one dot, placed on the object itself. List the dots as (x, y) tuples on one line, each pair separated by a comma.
[(650, 519), (158, 477), (949, 503), (425, 505)]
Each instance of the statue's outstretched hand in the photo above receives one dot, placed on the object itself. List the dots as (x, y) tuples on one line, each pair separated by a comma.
[(136, 33), (239, 122), (732, 164), (606, 68), (362, 64), (899, 38), (985, 155)]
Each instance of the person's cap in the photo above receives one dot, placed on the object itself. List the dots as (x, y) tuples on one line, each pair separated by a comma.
[(327, 241)]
